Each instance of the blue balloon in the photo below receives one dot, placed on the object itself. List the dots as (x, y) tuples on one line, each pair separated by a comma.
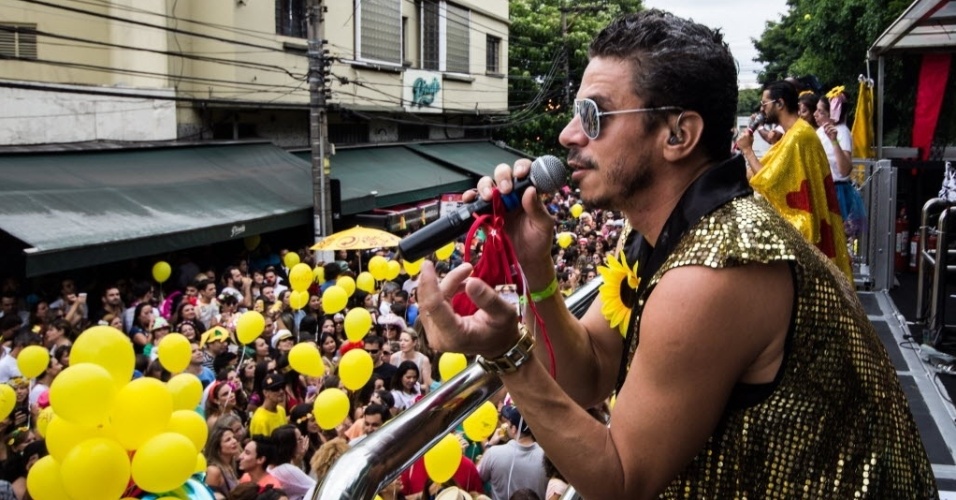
[(193, 489)]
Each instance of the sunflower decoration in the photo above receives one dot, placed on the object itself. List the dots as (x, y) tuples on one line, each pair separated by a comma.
[(617, 292)]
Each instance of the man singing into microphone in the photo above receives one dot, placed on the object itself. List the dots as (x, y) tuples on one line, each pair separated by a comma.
[(747, 368)]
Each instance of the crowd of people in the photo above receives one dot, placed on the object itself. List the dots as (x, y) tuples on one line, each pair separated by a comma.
[(259, 411), (758, 373)]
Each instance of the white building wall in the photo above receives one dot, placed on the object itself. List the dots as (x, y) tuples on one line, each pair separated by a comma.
[(41, 117)]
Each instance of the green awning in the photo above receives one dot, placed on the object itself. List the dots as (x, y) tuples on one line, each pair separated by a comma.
[(378, 177), (479, 158), (80, 209)]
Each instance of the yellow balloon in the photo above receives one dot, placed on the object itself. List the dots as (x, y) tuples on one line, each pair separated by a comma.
[(33, 360), (161, 271), (298, 299), (565, 239), (318, 274), (330, 408), (451, 364), (62, 435), (186, 390), (44, 481), (108, 347), (190, 424), (355, 369), (43, 420), (141, 411), (392, 270), (174, 352), (346, 283), (305, 359), (445, 252), (249, 326), (443, 459), (334, 299), (365, 282), (300, 277), (8, 399), (358, 321), (482, 423), (200, 464), (413, 268), (290, 259), (378, 266), (252, 242), (83, 394), (96, 468), (164, 462), (576, 210)]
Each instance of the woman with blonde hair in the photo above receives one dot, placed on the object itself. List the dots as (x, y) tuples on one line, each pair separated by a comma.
[(326, 456), (408, 351)]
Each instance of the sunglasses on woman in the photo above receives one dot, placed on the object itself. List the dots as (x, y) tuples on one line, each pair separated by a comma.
[(589, 115)]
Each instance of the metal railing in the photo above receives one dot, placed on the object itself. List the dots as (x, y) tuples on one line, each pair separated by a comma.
[(933, 263), (378, 459)]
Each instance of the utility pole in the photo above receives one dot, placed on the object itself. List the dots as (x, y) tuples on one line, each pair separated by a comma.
[(319, 65), (569, 96)]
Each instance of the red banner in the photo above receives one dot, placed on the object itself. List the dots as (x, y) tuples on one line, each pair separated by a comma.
[(933, 75)]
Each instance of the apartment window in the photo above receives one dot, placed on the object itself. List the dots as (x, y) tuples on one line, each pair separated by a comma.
[(457, 39), (445, 37), (493, 54), (431, 58), (292, 18), (378, 30), (18, 40)]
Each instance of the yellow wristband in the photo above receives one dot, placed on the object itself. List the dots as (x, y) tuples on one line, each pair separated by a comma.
[(547, 292)]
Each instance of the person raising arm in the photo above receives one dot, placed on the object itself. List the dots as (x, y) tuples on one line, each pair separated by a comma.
[(740, 344)]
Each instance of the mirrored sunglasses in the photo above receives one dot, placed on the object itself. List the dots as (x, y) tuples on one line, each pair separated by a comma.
[(589, 115)]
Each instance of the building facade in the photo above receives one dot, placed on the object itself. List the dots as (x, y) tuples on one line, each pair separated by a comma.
[(154, 70)]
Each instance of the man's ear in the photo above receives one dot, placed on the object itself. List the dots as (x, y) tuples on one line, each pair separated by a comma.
[(685, 131)]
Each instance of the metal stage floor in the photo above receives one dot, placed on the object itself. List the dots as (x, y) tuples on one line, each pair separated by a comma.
[(929, 399)]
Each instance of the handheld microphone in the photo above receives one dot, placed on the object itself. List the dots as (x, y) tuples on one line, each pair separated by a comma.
[(756, 122), (547, 175)]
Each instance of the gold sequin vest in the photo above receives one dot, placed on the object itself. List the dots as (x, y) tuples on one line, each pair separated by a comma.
[(837, 424)]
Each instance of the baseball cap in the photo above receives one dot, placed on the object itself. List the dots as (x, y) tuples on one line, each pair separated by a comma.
[(273, 382), (511, 413), (214, 334), (279, 336)]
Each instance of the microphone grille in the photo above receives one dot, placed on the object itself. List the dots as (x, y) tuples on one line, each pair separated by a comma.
[(548, 174)]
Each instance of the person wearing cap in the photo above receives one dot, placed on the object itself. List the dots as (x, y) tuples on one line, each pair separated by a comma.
[(213, 343), (517, 464), (270, 415), (392, 325), (282, 341), (157, 330)]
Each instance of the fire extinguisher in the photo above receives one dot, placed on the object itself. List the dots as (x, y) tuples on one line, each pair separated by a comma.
[(916, 247), (902, 241)]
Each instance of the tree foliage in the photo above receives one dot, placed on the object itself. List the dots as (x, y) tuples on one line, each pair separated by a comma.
[(546, 67), (748, 100), (830, 39)]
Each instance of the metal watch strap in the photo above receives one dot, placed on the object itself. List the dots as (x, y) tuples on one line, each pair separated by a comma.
[(514, 358)]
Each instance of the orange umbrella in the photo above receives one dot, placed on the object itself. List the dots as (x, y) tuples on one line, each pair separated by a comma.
[(357, 238)]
